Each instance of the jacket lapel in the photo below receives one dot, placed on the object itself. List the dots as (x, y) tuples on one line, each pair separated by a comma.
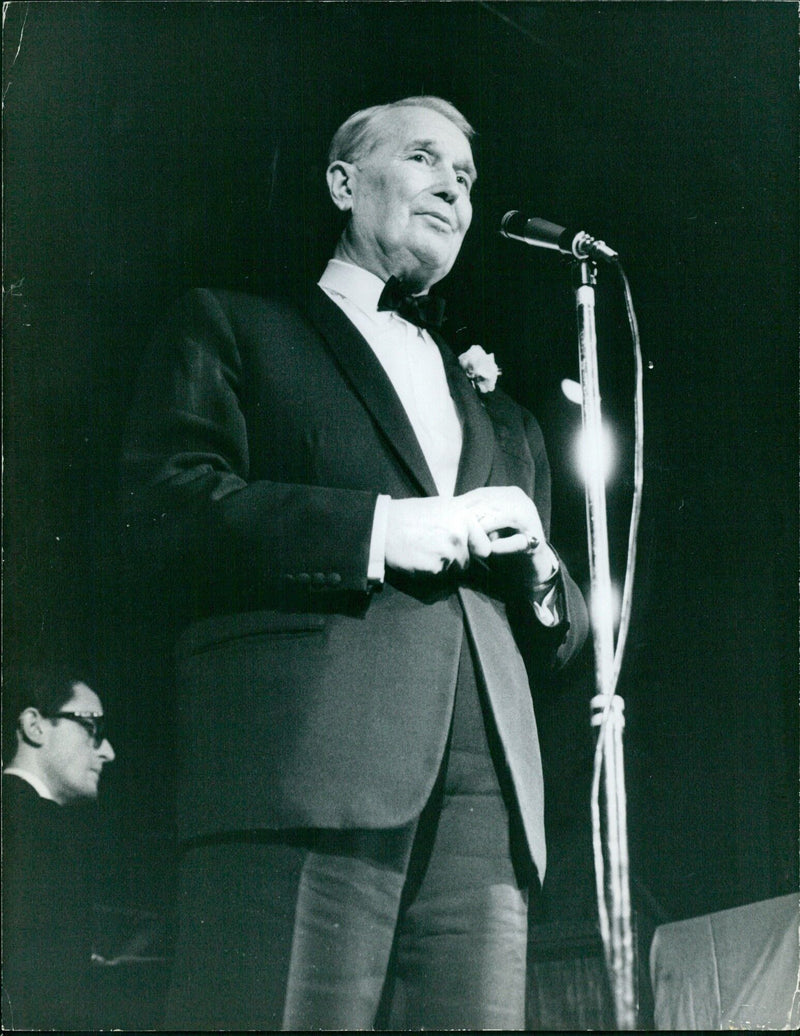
[(364, 372), (477, 451)]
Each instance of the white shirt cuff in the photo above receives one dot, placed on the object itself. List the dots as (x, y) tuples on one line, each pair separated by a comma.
[(376, 568), (547, 610), (547, 605)]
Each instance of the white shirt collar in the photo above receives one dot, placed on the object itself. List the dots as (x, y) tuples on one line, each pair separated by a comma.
[(35, 782), (357, 285)]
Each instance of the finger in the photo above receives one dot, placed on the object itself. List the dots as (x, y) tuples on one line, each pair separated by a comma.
[(487, 516), (493, 522), (458, 551), (502, 519), (517, 543), (479, 543)]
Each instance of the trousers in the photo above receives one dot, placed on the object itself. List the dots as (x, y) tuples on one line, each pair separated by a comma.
[(418, 927)]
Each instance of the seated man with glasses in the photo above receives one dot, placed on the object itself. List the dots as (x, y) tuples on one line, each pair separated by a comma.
[(54, 750)]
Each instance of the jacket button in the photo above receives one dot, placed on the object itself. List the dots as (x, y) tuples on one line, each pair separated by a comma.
[(303, 577), (334, 579), (318, 579)]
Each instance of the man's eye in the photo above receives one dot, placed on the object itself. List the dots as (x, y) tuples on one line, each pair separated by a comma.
[(465, 180), (420, 156)]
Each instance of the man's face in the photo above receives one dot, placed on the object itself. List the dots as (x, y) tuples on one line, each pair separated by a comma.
[(70, 762), (410, 199)]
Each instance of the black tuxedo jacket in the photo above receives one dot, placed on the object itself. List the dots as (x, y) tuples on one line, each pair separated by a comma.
[(261, 437)]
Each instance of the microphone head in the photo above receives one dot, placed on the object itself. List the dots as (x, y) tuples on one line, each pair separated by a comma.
[(512, 224), (541, 233), (534, 231)]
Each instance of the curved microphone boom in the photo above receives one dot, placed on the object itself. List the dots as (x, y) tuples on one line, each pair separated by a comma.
[(543, 234)]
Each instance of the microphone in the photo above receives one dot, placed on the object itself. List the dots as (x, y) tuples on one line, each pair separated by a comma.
[(543, 234)]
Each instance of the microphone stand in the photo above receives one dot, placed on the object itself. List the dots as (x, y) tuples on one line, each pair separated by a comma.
[(613, 888)]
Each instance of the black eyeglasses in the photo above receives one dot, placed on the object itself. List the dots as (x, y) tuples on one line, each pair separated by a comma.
[(92, 722)]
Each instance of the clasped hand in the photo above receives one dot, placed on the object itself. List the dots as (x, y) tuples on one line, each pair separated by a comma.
[(434, 534)]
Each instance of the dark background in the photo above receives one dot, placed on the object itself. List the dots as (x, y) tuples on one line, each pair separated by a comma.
[(154, 146)]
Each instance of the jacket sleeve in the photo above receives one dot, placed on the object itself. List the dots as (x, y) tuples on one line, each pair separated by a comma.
[(551, 646), (188, 499)]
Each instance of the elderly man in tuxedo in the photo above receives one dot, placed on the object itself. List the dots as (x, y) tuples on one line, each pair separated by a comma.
[(361, 533)]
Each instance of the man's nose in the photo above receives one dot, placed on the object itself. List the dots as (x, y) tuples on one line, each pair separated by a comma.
[(447, 188), (105, 751)]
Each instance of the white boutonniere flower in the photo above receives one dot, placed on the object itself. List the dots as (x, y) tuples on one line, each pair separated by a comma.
[(480, 368)]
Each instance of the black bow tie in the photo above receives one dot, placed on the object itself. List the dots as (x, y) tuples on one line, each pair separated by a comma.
[(422, 310)]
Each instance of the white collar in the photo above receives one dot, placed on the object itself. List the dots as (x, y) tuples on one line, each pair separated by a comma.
[(354, 283), (35, 782)]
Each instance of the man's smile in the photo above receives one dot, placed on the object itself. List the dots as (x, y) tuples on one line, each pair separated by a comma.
[(439, 220)]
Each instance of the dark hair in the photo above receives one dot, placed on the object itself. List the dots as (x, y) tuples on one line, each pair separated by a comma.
[(359, 134), (46, 688)]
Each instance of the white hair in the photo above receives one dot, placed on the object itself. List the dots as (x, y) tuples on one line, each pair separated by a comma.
[(359, 134)]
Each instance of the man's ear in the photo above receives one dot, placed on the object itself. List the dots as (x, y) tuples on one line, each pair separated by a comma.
[(31, 726), (340, 177)]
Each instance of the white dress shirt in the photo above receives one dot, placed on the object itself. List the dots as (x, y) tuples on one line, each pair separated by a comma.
[(412, 362), (414, 366)]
